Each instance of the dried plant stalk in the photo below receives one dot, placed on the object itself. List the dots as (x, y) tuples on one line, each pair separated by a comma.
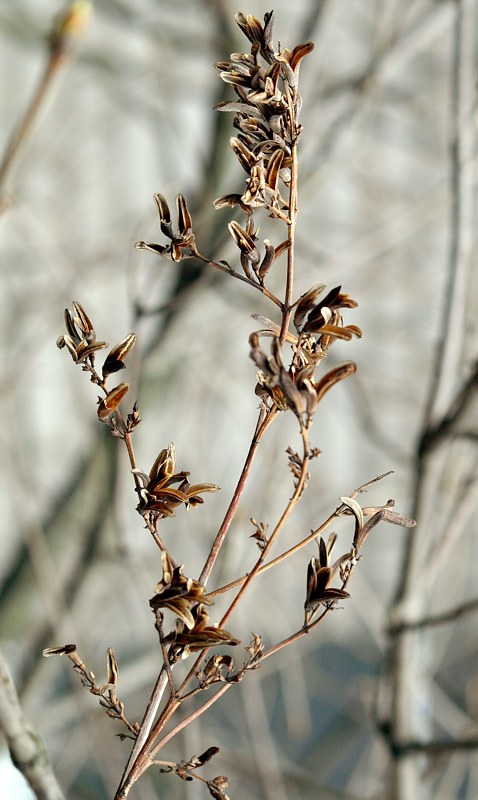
[(288, 351)]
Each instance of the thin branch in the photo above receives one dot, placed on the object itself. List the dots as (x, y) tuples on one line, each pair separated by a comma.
[(295, 548), (434, 434), (280, 524), (228, 270), (404, 713), (436, 747), (434, 620), (26, 747), (64, 38), (265, 419), (293, 194)]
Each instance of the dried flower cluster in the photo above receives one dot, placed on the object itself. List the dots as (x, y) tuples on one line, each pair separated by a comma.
[(266, 115)]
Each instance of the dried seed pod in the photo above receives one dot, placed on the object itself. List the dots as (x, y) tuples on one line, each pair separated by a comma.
[(273, 169), (82, 320), (70, 325), (318, 589), (63, 650), (272, 328), (68, 342), (163, 467), (115, 358), (185, 223), (290, 60), (207, 755), (306, 303), (268, 259), (244, 241), (86, 349), (235, 77), (225, 200), (164, 215), (332, 377), (111, 401), (322, 326), (246, 158), (111, 667), (357, 511)]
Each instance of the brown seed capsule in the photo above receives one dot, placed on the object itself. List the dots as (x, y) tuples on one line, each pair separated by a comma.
[(111, 667), (111, 401), (115, 358)]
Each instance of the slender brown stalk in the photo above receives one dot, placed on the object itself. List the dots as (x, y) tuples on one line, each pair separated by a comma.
[(272, 538), (265, 419), (64, 37), (293, 201), (233, 274)]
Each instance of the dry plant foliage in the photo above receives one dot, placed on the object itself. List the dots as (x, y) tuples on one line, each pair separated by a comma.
[(288, 350)]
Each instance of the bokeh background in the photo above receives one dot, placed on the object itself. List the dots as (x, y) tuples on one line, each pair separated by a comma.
[(387, 210)]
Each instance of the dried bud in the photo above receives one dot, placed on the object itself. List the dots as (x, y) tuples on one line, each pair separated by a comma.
[(216, 787), (71, 26)]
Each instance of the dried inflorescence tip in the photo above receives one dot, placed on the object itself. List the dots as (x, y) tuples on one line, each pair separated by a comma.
[(183, 242), (71, 26), (318, 324), (177, 593), (80, 341), (80, 337), (164, 489), (266, 112), (377, 514), (217, 670), (320, 573), (202, 635), (107, 693)]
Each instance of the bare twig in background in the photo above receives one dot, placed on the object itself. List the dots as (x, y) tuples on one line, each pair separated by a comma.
[(450, 393), (62, 41), (26, 747), (438, 619)]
